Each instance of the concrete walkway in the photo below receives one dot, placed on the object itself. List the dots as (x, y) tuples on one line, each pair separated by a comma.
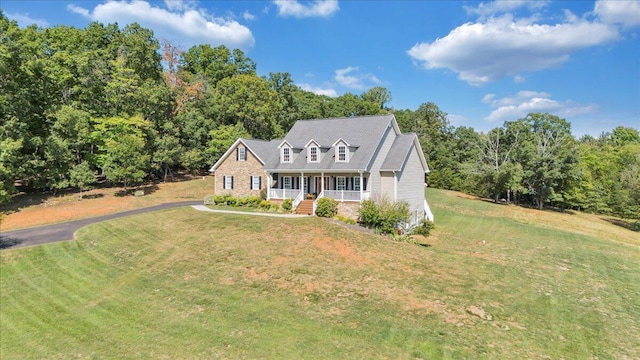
[(204, 208)]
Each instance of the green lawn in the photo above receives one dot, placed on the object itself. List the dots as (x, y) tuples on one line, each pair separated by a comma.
[(187, 284)]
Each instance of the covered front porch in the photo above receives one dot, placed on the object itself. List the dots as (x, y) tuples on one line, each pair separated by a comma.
[(311, 186)]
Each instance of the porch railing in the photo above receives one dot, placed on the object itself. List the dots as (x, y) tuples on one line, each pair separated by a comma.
[(315, 202), (347, 195), (297, 200), (427, 211), (283, 193)]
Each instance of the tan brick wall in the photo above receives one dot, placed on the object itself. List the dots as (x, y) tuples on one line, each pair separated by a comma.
[(241, 172)]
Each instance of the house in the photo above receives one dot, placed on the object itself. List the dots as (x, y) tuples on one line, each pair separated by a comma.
[(348, 159)]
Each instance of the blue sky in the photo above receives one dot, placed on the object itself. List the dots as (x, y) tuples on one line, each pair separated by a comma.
[(481, 62)]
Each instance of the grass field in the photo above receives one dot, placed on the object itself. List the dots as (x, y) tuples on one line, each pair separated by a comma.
[(495, 282)]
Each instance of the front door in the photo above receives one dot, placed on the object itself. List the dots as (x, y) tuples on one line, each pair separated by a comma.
[(319, 184)]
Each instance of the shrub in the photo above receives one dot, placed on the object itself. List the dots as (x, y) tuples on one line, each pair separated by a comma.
[(253, 201), (326, 207), (229, 199), (263, 194), (384, 215), (219, 199), (424, 228), (265, 205), (241, 201), (287, 204), (209, 200)]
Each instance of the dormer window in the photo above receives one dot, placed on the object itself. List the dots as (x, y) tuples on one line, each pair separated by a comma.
[(341, 150), (286, 155), (342, 153), (313, 154)]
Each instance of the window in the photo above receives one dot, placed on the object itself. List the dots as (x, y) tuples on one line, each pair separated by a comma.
[(256, 182), (313, 154), (356, 183), (242, 153), (286, 155), (305, 184), (341, 183), (286, 182), (342, 153), (228, 182)]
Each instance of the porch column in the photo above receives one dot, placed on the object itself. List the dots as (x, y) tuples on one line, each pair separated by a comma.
[(302, 182), (321, 181), (361, 184), (395, 186), (268, 185)]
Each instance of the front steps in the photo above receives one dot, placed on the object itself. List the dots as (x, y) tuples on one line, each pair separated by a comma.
[(305, 207)]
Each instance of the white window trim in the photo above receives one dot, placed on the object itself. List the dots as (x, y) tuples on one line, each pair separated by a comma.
[(228, 182), (346, 153), (356, 183), (282, 155), (310, 154), (344, 182), (255, 182), (242, 153), (284, 182)]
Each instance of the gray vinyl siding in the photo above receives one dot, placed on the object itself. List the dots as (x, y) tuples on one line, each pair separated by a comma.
[(387, 180), (380, 155), (411, 182)]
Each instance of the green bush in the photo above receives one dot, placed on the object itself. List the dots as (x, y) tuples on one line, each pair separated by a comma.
[(253, 201), (219, 199), (287, 204), (209, 200), (229, 200), (424, 228), (242, 201), (384, 215), (265, 205), (326, 207)]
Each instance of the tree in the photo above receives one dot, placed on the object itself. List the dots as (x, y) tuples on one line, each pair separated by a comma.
[(497, 148), (377, 95), (82, 176), (123, 160), (222, 138)]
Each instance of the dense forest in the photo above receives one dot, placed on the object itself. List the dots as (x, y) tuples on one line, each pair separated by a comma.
[(78, 106)]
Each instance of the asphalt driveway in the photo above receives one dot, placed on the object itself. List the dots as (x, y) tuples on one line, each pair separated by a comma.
[(64, 231)]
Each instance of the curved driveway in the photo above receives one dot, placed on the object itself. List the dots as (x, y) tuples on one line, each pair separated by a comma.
[(64, 231)]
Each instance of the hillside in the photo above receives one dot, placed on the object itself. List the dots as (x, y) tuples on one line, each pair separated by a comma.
[(493, 281)]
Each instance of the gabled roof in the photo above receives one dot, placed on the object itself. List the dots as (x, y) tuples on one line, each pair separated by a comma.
[(399, 153), (261, 149), (365, 131)]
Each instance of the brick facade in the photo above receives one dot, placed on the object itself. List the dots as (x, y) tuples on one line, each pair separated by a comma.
[(241, 172)]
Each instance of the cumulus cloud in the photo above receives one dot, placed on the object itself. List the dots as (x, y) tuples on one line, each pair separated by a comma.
[(319, 8), (503, 46), (318, 90), (179, 20), (351, 77), (25, 20), (525, 102), (626, 13)]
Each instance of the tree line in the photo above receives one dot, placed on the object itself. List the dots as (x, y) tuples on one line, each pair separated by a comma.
[(104, 102)]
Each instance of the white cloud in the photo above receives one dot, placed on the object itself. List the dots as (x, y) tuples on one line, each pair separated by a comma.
[(525, 102), (179, 21), (497, 7), (248, 16), (626, 13), (319, 8), (351, 78), (25, 20), (319, 91), (482, 52)]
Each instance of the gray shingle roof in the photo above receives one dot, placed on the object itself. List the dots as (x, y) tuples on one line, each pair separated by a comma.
[(262, 148), (398, 152), (362, 133)]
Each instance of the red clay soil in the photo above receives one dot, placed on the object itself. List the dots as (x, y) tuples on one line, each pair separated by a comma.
[(33, 210)]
